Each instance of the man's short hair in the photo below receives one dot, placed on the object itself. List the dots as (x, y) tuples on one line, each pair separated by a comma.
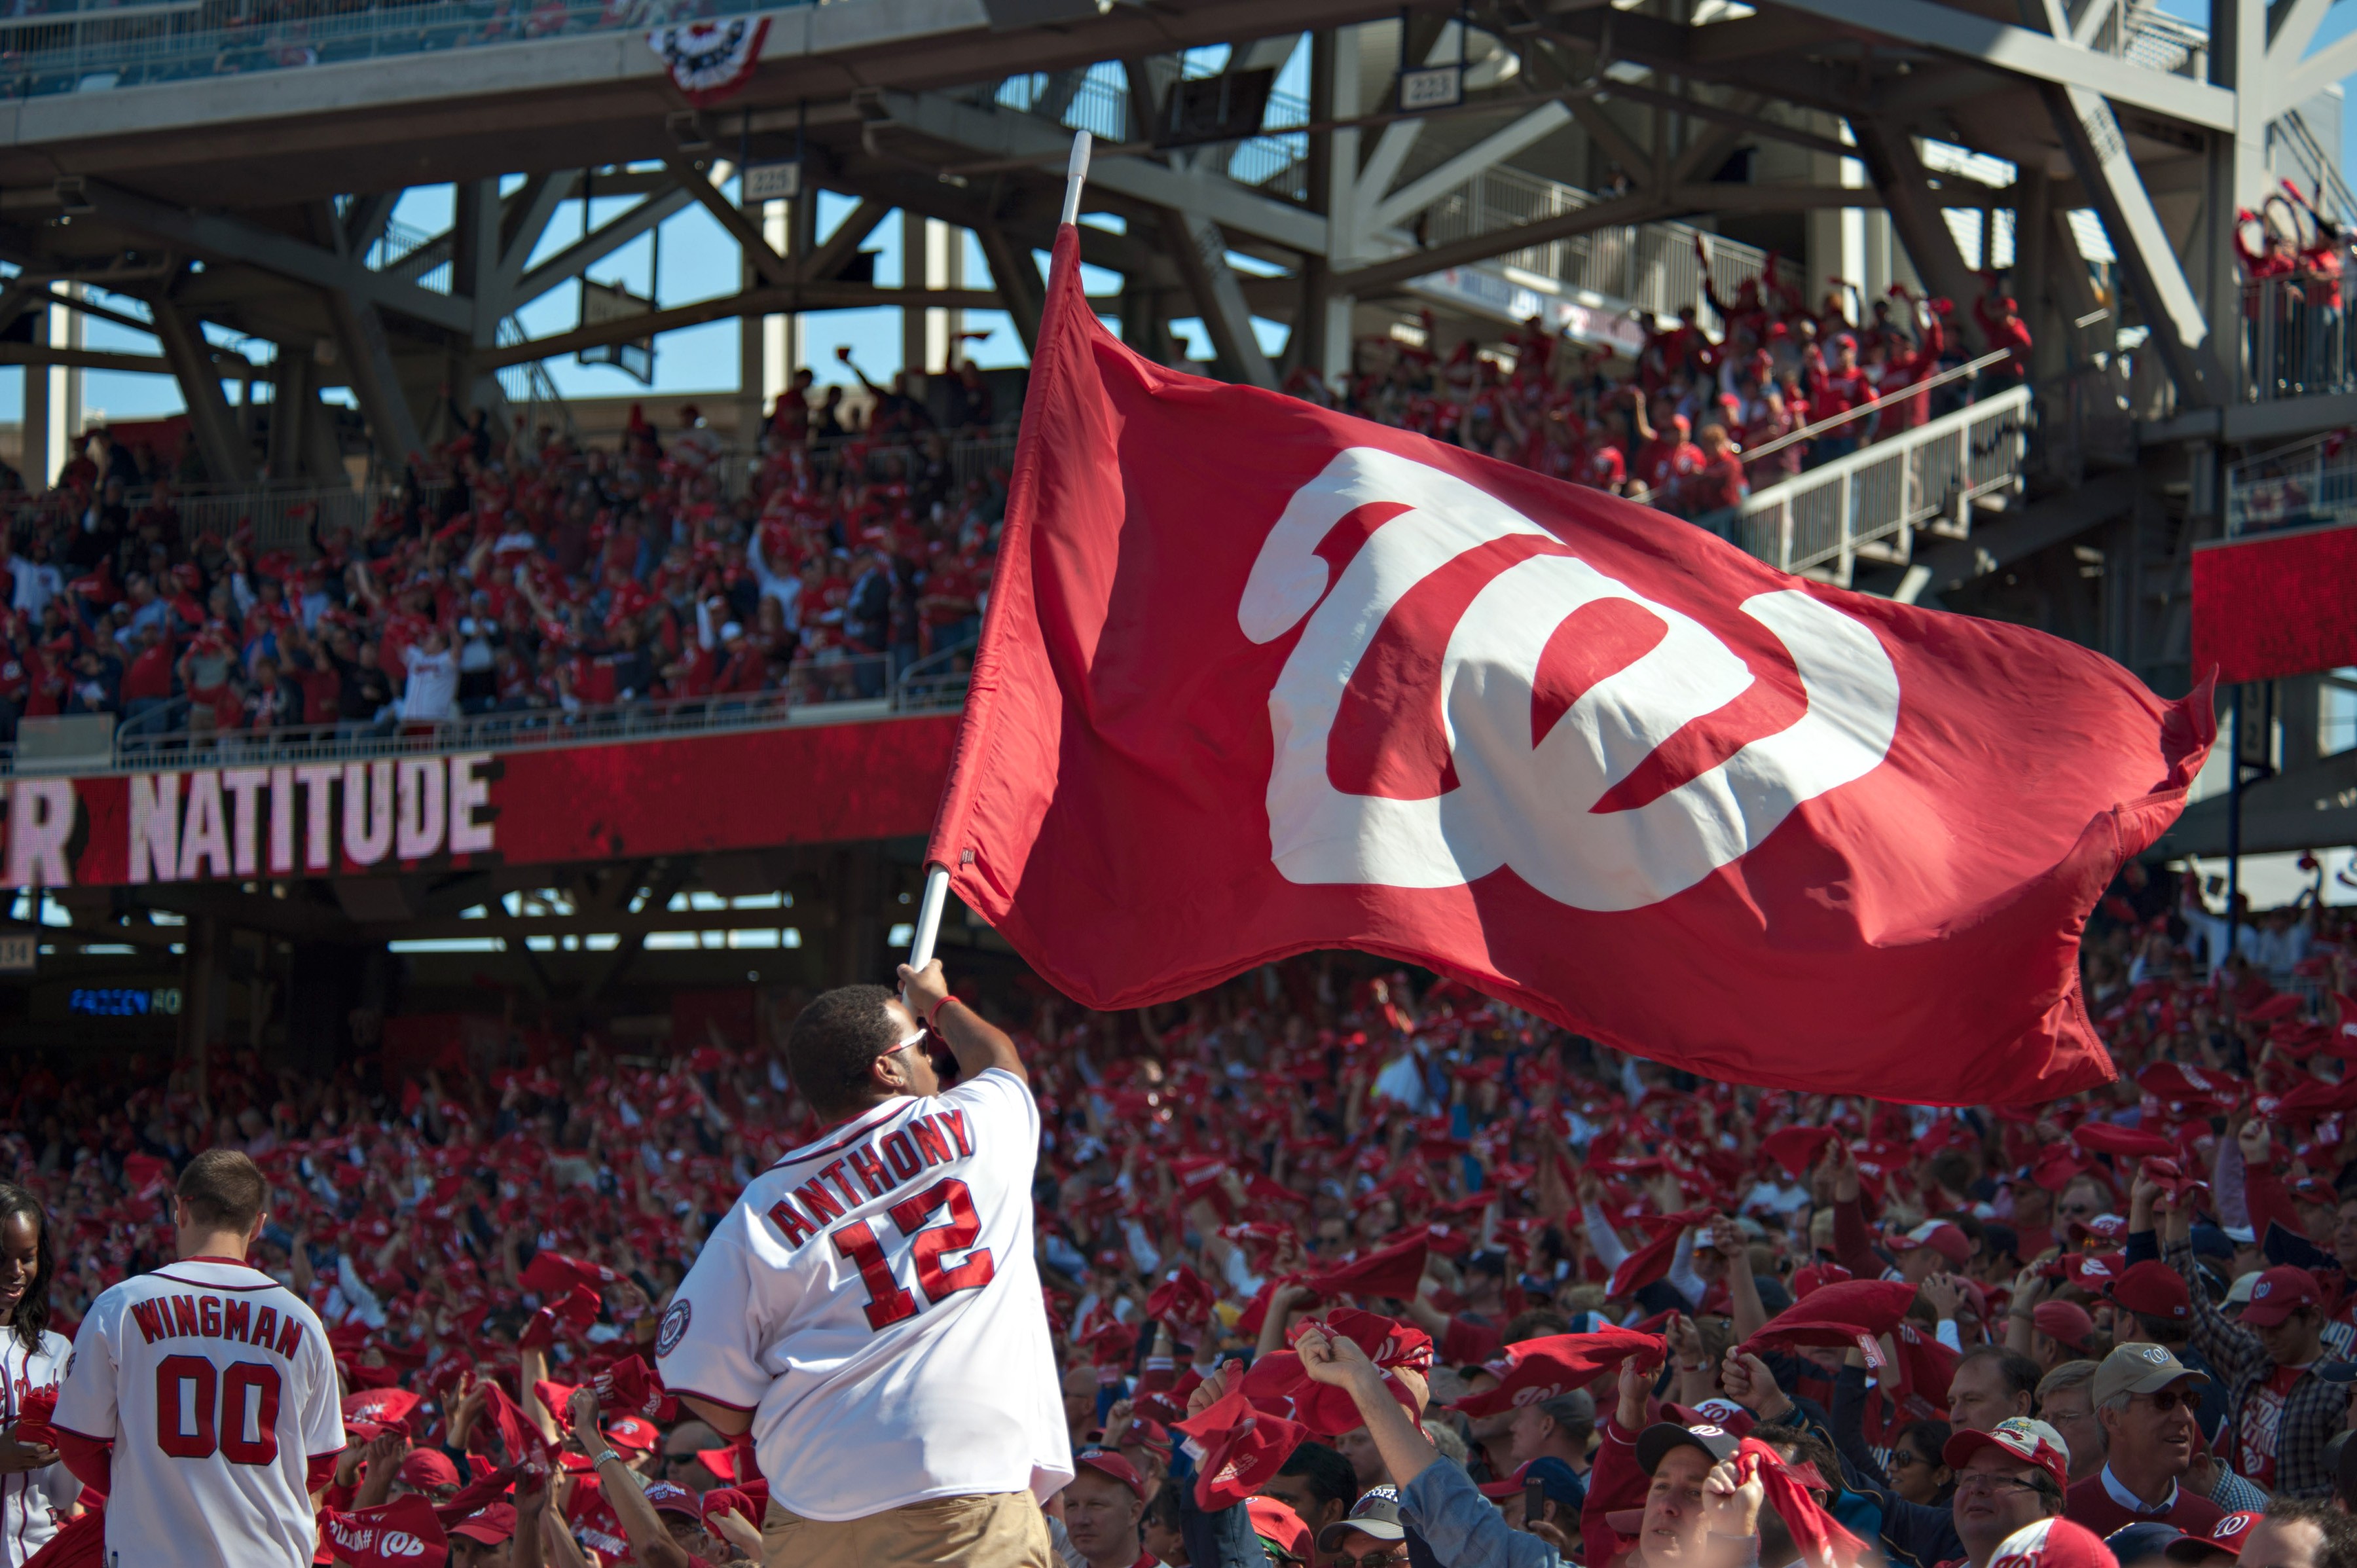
[(223, 1191), (2063, 1379), (1537, 1323), (1328, 1475), (833, 1043), (2021, 1373), (1574, 1414), (2338, 1547), (1800, 1445)]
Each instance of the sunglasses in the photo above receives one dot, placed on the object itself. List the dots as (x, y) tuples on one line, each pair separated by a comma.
[(1374, 1558), (2173, 1399)]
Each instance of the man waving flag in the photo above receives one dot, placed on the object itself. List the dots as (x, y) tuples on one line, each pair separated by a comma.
[(1258, 678)]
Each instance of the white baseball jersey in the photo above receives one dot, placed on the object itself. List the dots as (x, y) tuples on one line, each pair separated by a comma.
[(217, 1388), (872, 1301), (30, 1499)]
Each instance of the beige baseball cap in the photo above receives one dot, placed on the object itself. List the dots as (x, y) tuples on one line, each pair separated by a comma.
[(2136, 1368)]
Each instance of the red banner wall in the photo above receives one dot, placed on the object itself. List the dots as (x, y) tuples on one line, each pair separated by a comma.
[(2281, 604), (802, 784)]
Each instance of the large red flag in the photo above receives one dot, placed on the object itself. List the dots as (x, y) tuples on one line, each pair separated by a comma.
[(1258, 678)]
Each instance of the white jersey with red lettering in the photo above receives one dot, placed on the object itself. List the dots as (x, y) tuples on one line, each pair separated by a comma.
[(872, 1301), (217, 1387), (30, 1501)]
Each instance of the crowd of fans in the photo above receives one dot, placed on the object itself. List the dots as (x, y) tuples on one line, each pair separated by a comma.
[(1347, 1267), (533, 574), (528, 575), (1701, 418)]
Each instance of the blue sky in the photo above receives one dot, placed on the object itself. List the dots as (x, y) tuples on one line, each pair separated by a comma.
[(697, 261)]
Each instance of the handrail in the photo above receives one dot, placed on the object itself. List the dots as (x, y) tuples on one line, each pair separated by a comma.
[(906, 696), (1808, 432), (509, 730), (1869, 504)]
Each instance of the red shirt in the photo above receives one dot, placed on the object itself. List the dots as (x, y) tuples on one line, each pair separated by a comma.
[(150, 675), (2258, 1427), (1720, 484)]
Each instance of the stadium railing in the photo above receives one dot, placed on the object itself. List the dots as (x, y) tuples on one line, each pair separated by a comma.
[(2309, 484), (860, 687), (2295, 336), (71, 46)]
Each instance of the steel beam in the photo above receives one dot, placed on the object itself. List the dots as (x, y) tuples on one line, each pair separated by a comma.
[(1002, 134), (1638, 207), (2091, 134), (235, 239), (1889, 154), (525, 217), (366, 354), (1607, 134), (1202, 252), (1695, 108), (831, 254), (775, 270), (597, 245), (2018, 51), (1391, 148), (1016, 280), (227, 457), (2291, 82), (1486, 153)]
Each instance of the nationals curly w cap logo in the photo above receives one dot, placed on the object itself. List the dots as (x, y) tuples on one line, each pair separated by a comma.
[(1525, 794)]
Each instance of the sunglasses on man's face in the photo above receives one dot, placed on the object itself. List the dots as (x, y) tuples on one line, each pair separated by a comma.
[(2172, 1398)]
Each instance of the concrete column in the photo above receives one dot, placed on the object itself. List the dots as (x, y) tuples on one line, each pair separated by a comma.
[(202, 995), (39, 473), (1340, 176), (752, 366), (1836, 234), (781, 345), (944, 268), (52, 398)]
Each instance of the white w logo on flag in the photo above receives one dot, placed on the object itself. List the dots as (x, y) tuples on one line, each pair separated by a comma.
[(1521, 800)]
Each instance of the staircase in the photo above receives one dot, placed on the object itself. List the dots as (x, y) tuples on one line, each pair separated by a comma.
[(1871, 505)]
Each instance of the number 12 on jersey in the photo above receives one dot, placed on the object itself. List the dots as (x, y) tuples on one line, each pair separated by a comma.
[(888, 1301)]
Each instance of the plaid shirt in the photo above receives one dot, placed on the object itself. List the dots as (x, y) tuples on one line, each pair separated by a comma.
[(2312, 1412)]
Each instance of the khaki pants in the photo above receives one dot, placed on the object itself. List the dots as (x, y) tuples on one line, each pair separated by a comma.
[(1004, 1530)]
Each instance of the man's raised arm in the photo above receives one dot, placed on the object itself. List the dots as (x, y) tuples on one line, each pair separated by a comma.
[(976, 1041)]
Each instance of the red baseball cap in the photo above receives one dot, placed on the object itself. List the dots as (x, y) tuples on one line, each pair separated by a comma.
[(666, 1497), (2053, 1544), (1277, 1524), (2066, 1323), (2032, 1442), (2229, 1533), (491, 1526), (429, 1467), (1815, 1276), (2153, 1289), (2279, 1293), (1939, 1236), (632, 1433), (1109, 1462)]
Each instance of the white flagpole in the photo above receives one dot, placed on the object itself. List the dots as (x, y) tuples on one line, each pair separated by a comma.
[(1076, 174), (937, 877), (929, 912)]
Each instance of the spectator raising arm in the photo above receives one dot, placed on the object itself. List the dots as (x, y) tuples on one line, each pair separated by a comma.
[(1438, 1499)]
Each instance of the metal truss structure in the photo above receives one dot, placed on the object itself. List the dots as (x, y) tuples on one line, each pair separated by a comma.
[(1581, 144)]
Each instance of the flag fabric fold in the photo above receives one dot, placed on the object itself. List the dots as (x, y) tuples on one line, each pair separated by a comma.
[(1258, 678)]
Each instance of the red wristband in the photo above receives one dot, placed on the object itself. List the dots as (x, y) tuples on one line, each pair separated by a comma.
[(933, 1019)]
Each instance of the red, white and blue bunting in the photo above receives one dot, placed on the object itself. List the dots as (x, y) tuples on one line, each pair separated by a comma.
[(709, 60)]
